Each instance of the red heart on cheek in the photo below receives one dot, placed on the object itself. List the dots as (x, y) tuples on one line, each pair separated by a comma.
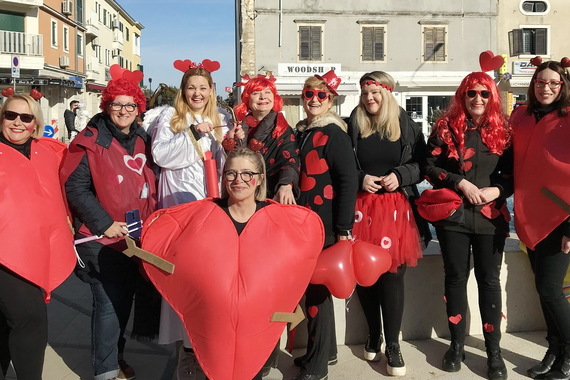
[(228, 291), (314, 164)]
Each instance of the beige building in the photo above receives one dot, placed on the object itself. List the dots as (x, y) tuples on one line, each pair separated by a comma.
[(529, 28), (64, 48)]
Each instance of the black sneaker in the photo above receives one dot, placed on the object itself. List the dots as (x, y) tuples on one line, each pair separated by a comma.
[(373, 347), (395, 362)]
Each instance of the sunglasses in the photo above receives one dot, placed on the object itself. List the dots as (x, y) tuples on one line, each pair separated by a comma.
[(485, 94), (24, 117), (321, 94)]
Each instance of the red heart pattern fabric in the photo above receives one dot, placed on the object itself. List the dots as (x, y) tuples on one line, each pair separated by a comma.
[(346, 263), (490, 61), (226, 287)]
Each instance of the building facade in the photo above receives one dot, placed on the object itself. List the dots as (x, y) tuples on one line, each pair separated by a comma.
[(64, 49), (428, 47)]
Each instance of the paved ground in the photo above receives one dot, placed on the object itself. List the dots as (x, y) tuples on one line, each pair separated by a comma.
[(68, 358)]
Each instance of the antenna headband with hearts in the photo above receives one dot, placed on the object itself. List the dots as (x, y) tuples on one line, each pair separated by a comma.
[(209, 66), (489, 61), (117, 72), (537, 61), (9, 92), (123, 82), (246, 78)]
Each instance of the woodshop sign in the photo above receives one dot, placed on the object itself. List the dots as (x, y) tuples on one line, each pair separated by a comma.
[(307, 69)]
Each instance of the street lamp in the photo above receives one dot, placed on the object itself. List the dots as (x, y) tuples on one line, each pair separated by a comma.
[(150, 84)]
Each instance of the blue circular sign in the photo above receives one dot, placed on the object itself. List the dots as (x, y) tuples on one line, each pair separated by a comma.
[(49, 131), (15, 61)]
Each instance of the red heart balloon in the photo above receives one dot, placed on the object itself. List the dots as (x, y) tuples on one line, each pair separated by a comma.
[(7, 92), (226, 287), (489, 61), (536, 61), (344, 264)]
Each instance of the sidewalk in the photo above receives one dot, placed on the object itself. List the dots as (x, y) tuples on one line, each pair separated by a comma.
[(68, 354)]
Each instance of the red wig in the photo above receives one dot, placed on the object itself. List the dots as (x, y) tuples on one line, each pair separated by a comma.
[(494, 128), (122, 86), (257, 84)]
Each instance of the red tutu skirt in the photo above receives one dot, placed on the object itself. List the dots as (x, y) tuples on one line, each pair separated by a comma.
[(387, 220)]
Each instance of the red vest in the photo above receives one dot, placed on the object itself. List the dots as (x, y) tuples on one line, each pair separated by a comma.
[(541, 159), (37, 243), (122, 182)]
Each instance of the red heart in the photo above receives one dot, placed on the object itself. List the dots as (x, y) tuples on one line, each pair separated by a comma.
[(306, 183), (314, 164), (565, 62), (135, 163), (116, 71), (313, 311), (468, 153), (318, 200), (255, 145), (35, 94), (328, 192), (489, 61), (320, 139), (7, 92), (467, 165), (488, 327), (211, 66), (182, 65), (228, 291), (344, 264), (455, 319), (536, 61), (133, 76)]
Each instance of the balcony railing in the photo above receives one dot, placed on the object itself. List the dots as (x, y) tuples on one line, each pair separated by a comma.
[(21, 43)]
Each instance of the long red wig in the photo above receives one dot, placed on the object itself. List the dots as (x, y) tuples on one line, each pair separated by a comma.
[(122, 86), (495, 130)]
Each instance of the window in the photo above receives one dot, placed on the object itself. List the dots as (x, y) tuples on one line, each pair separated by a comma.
[(53, 33), (98, 11), (79, 45), (107, 57), (105, 17), (373, 43), (528, 41), (310, 43), (127, 33), (79, 11), (66, 38), (533, 8), (137, 46), (434, 44)]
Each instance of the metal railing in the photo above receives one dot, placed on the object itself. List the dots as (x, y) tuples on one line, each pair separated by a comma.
[(21, 43)]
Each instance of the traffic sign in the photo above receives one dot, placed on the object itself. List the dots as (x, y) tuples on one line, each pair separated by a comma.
[(49, 131), (15, 66)]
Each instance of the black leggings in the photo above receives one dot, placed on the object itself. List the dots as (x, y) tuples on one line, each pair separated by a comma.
[(23, 326), (385, 296), (487, 250), (550, 265)]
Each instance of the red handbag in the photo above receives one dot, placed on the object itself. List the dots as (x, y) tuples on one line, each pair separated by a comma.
[(440, 205)]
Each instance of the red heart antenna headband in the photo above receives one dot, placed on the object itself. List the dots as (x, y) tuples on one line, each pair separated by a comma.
[(490, 62), (117, 72), (536, 61), (9, 92), (369, 82), (246, 78), (209, 66)]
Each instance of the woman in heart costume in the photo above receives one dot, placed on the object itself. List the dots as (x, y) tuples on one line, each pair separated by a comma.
[(390, 148), (181, 136), (329, 182), (37, 244), (542, 162), (226, 293), (467, 153), (107, 172)]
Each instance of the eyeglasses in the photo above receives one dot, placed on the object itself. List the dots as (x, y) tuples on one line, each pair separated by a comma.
[(321, 94), (130, 107), (24, 117), (485, 94), (551, 83), (230, 175)]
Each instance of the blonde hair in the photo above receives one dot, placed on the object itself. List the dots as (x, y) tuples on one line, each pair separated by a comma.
[(387, 122), (314, 83), (34, 110), (182, 108), (257, 160)]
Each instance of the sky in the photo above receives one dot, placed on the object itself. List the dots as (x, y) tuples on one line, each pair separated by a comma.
[(185, 29)]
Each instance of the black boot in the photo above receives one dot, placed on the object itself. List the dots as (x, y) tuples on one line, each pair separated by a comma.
[(544, 366), (453, 357), (496, 365), (561, 367)]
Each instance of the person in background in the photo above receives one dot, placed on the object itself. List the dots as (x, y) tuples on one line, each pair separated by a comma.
[(541, 131), (107, 173), (37, 240), (180, 138), (329, 182), (467, 153), (390, 149), (69, 118)]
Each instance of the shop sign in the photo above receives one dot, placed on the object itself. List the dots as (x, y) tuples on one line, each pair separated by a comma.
[(523, 68), (307, 69)]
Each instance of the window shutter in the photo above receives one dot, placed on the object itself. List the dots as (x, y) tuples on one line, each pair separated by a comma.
[(515, 42), (439, 44), (540, 42), (304, 48), (367, 44), (428, 44), (316, 43), (378, 44)]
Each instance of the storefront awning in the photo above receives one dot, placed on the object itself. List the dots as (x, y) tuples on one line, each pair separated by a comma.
[(95, 87)]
